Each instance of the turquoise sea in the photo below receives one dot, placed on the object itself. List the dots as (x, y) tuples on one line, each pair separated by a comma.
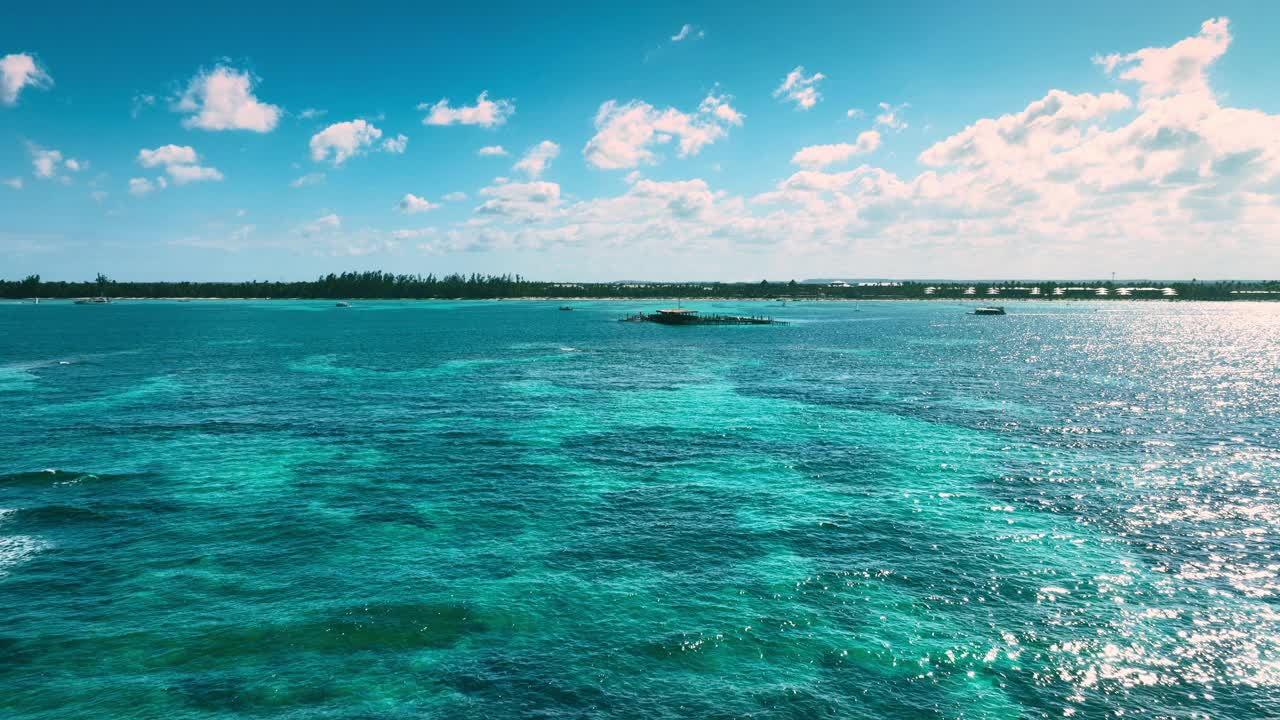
[(497, 510)]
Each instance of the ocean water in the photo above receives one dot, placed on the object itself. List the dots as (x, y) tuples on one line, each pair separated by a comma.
[(496, 509)]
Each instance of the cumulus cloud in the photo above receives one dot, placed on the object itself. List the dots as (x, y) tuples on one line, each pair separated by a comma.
[(180, 162), (537, 158), (48, 164), (485, 113), (523, 202), (1051, 188), (167, 155), (341, 141), (183, 174), (18, 71), (801, 90), (141, 186), (491, 151), (45, 163), (818, 156), (411, 204), (396, 145), (1055, 121), (222, 99), (626, 133), (1175, 70), (890, 116), (14, 182)]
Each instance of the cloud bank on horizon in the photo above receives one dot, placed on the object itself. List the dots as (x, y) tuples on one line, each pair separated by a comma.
[(1159, 166)]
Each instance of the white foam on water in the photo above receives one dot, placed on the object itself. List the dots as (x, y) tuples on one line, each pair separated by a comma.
[(18, 549)]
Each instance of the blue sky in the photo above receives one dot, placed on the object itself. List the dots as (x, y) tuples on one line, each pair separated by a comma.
[(160, 142)]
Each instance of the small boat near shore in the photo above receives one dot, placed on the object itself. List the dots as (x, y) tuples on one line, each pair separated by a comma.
[(343, 303), (94, 301), (566, 308), (992, 310)]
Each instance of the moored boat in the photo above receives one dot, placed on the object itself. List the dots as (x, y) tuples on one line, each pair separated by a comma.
[(993, 310)]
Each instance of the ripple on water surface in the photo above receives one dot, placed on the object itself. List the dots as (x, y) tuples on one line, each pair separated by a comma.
[(497, 509)]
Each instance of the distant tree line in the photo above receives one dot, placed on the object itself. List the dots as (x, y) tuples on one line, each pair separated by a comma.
[(382, 285)]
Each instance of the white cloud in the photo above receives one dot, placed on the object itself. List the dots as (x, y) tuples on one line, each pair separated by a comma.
[(537, 158), (179, 161), (1175, 70), (801, 90), (18, 71), (167, 155), (46, 164), (308, 179), (323, 224), (414, 233), (1046, 125), (718, 106), (311, 113), (140, 186), (853, 113), (485, 113), (523, 202), (222, 99), (183, 174), (889, 116), (686, 31), (343, 140), (1179, 185), (396, 145), (626, 134), (456, 196), (411, 204), (818, 156), (98, 196), (14, 182), (491, 151), (326, 235)]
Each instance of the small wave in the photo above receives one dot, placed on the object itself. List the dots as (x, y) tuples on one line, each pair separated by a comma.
[(18, 549), (57, 515), (47, 476)]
